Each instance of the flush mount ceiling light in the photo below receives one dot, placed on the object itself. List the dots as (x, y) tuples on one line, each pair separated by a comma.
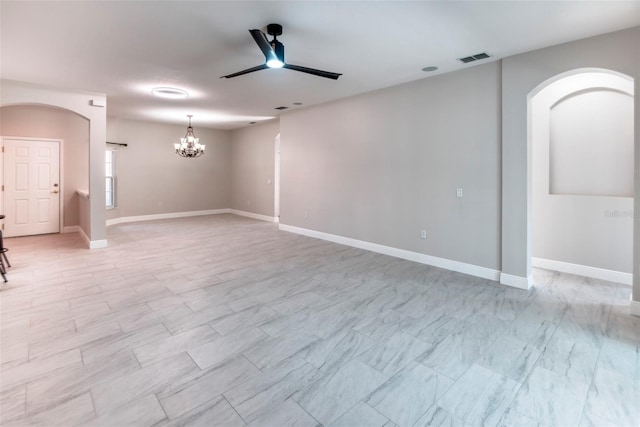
[(189, 145), (169, 92), (430, 68)]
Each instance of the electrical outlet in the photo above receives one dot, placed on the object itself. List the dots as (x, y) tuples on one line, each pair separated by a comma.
[(459, 192), (423, 234), (306, 214)]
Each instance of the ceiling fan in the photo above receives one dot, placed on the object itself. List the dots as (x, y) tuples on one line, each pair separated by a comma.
[(274, 55)]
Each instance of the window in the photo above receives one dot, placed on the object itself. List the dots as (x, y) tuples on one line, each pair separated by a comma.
[(110, 179)]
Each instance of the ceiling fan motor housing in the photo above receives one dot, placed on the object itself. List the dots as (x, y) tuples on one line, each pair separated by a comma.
[(274, 30)]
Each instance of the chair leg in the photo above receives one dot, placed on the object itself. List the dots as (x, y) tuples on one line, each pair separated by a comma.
[(3, 271), (4, 255)]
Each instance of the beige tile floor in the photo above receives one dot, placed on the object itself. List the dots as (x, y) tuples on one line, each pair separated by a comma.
[(222, 320)]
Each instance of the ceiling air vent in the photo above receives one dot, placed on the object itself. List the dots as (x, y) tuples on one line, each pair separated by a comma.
[(281, 108), (476, 57)]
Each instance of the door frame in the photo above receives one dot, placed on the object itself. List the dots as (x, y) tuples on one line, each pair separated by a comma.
[(60, 171), (276, 178)]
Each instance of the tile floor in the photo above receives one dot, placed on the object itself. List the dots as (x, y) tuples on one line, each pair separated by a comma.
[(222, 320)]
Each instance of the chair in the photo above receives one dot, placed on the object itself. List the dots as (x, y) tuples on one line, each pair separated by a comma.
[(3, 259)]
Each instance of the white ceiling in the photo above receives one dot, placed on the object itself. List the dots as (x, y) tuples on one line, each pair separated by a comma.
[(124, 48)]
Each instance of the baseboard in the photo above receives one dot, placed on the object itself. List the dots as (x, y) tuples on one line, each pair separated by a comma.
[(634, 308), (583, 270), (71, 229), (98, 244), (188, 214), (516, 281), (254, 215), (170, 215), (91, 244), (461, 267)]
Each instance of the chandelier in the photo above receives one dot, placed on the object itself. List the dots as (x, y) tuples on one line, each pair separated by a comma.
[(189, 145)]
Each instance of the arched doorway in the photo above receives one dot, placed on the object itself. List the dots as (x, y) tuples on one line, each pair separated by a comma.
[(92, 107), (580, 170), (34, 125)]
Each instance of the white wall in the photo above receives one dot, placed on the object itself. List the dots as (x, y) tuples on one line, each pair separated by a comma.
[(252, 168), (635, 294), (382, 166), (56, 123), (582, 170), (152, 179)]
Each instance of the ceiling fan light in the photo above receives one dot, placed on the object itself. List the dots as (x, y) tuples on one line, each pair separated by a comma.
[(275, 63)]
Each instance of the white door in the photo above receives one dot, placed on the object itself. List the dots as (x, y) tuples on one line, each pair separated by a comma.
[(31, 187)]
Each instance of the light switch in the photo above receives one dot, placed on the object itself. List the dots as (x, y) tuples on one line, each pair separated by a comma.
[(459, 192)]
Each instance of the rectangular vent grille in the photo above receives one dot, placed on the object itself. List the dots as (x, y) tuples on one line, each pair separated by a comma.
[(476, 57), (281, 108)]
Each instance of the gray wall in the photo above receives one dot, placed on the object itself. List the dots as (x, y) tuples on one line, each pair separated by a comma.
[(382, 166), (56, 123), (252, 168), (152, 179), (521, 74), (84, 217)]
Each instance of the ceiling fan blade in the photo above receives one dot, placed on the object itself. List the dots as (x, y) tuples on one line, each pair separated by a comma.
[(264, 45), (247, 71), (313, 71)]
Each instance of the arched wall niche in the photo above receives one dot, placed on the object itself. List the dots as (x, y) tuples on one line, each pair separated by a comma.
[(580, 174)]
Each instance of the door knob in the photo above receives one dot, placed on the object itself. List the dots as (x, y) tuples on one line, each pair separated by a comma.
[(55, 191)]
